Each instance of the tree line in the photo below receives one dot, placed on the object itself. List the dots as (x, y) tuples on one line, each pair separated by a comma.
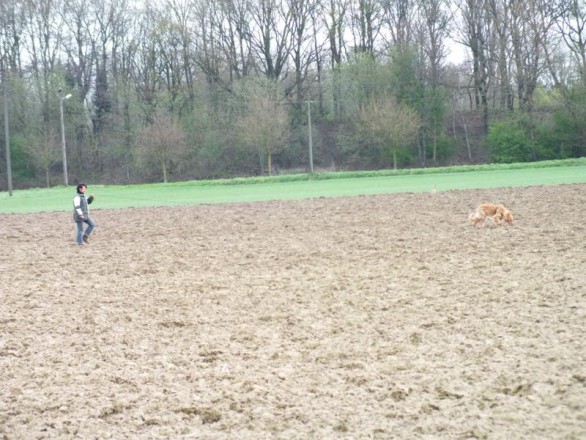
[(165, 90)]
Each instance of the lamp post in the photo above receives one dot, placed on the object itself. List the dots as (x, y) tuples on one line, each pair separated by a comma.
[(65, 180), (6, 128), (310, 139), (3, 68)]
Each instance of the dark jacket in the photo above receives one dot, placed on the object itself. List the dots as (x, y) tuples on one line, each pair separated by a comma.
[(80, 206)]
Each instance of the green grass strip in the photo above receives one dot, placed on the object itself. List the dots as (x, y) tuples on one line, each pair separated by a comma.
[(300, 186)]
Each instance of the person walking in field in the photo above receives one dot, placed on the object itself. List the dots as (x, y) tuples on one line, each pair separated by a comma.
[(81, 214)]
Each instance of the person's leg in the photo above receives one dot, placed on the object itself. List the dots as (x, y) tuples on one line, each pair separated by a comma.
[(90, 226), (88, 230), (79, 235)]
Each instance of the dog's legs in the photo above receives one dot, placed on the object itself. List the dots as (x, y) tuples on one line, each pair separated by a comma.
[(499, 215)]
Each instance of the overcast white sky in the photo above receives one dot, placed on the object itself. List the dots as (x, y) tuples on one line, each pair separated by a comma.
[(458, 52)]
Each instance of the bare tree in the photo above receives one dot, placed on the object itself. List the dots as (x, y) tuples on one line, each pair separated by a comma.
[(182, 17), (161, 143), (501, 52), (12, 27), (335, 21), (434, 26), (567, 66), (45, 36), (433, 29), (303, 46), (80, 45), (366, 20), (44, 152), (476, 34), (571, 27), (399, 16), (264, 124), (147, 78), (270, 38), (530, 26), (391, 124), (231, 22)]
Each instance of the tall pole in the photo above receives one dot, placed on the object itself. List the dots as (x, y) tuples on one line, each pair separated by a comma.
[(6, 130), (310, 137), (65, 180)]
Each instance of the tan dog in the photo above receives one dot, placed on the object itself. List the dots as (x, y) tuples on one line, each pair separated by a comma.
[(497, 213)]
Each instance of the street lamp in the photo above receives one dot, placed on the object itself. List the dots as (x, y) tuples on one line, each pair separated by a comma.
[(6, 127), (309, 136), (65, 180)]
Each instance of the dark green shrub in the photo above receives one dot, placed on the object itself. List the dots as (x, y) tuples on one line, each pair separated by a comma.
[(509, 143)]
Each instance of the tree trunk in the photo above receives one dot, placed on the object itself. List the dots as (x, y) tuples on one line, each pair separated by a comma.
[(270, 164)]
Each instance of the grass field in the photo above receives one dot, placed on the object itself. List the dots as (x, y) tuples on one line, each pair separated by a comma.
[(297, 187)]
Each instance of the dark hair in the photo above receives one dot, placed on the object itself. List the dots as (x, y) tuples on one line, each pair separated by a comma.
[(80, 186)]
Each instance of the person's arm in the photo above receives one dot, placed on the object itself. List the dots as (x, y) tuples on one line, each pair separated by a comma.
[(77, 206)]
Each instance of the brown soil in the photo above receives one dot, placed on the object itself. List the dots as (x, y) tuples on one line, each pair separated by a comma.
[(369, 317)]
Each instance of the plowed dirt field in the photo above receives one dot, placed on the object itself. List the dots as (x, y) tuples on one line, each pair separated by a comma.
[(354, 318)]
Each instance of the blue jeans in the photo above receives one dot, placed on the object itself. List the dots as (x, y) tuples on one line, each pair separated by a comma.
[(81, 232)]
